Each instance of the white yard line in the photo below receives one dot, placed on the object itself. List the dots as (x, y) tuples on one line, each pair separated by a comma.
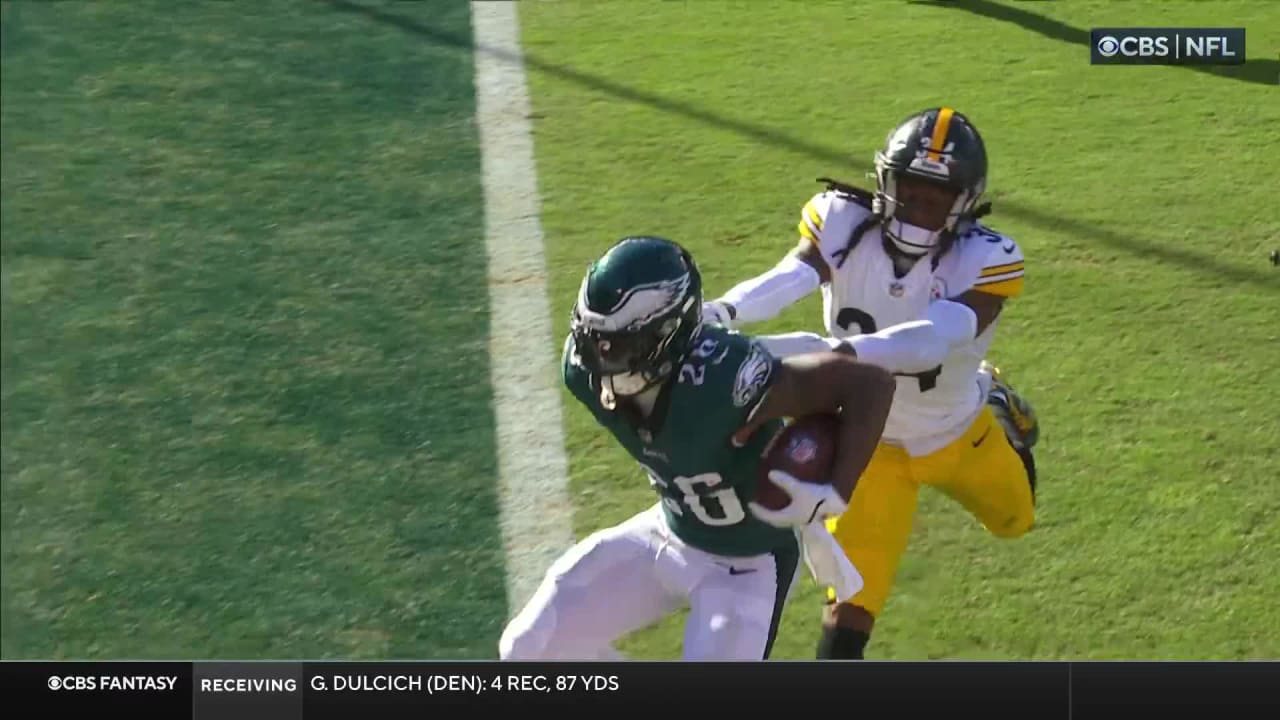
[(524, 361)]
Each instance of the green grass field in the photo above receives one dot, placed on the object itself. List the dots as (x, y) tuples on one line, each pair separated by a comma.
[(246, 403), (1146, 338), (245, 369)]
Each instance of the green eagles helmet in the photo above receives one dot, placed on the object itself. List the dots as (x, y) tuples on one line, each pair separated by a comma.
[(939, 145), (637, 311)]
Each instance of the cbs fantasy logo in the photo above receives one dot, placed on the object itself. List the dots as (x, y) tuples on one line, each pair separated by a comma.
[(1167, 46)]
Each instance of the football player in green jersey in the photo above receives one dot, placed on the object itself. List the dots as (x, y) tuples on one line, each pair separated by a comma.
[(695, 405)]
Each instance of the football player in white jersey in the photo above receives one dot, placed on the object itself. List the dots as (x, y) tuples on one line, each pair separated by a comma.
[(913, 282)]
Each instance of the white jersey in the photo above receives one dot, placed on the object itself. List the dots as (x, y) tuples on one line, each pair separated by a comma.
[(930, 410)]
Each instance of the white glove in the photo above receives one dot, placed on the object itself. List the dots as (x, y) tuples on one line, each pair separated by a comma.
[(714, 311), (828, 563), (810, 502)]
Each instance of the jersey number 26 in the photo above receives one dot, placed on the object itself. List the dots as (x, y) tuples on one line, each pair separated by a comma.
[(729, 512)]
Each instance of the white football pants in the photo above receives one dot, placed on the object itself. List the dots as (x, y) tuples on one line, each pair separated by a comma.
[(629, 576)]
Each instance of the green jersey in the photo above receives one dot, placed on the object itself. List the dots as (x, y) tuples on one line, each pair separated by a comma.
[(684, 445)]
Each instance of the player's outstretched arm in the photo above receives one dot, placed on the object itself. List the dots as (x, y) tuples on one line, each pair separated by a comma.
[(910, 347), (761, 298), (832, 382), (922, 345), (918, 345)]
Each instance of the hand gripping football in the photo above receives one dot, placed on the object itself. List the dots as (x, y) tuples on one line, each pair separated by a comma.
[(805, 448)]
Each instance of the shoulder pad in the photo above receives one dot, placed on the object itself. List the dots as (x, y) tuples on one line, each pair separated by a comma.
[(813, 218), (837, 196), (833, 220), (754, 375), (738, 369), (1000, 262)]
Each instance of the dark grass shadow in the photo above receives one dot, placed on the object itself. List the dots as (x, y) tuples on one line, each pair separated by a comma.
[(765, 135), (10, 27), (1087, 232), (1261, 71)]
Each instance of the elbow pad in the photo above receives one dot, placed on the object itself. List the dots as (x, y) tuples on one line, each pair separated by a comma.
[(763, 297)]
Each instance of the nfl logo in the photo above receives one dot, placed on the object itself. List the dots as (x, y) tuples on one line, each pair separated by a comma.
[(896, 289), (803, 449), (645, 436)]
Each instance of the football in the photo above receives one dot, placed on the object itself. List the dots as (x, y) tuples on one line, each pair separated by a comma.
[(805, 448)]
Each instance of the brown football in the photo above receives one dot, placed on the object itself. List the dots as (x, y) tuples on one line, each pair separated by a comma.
[(806, 448)]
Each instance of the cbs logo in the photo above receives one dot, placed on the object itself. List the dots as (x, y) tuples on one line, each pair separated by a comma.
[(1129, 46), (72, 682)]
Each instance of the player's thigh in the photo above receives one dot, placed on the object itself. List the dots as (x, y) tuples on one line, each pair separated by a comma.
[(877, 527), (599, 590), (735, 609), (990, 479)]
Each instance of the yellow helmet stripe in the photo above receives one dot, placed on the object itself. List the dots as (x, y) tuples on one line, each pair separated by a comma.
[(940, 128)]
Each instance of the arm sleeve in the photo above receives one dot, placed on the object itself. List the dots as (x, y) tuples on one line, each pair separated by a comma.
[(763, 297), (919, 345), (766, 295), (797, 343), (909, 347)]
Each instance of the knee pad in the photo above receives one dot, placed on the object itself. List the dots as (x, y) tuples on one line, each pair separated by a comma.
[(1017, 526)]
